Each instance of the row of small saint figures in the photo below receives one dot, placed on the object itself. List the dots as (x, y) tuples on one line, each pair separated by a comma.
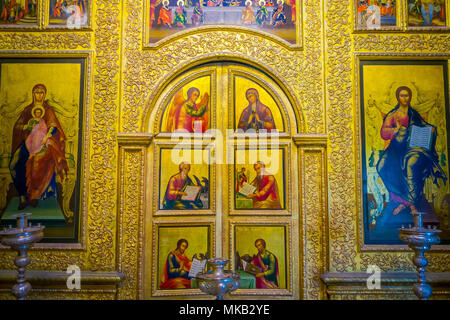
[(248, 17)]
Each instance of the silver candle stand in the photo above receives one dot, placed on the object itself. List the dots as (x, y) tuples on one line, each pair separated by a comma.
[(21, 238), (420, 239), (218, 282)]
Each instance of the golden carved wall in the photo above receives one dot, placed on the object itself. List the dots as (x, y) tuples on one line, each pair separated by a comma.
[(125, 80)]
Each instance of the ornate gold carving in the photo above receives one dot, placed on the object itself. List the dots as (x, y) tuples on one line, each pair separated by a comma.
[(61, 294), (315, 242), (102, 171), (44, 41), (387, 261), (311, 77), (394, 261), (130, 222), (401, 43), (438, 262), (342, 225)]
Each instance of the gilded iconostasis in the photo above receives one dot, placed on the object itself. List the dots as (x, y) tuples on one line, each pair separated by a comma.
[(292, 137)]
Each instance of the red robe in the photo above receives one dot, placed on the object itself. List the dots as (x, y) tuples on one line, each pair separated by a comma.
[(176, 283), (40, 167)]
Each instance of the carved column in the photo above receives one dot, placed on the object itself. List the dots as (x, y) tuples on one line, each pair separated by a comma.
[(130, 218), (313, 213)]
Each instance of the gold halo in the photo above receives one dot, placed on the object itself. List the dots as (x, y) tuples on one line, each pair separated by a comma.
[(182, 3), (248, 2), (280, 1), (165, 1), (37, 108), (263, 2)]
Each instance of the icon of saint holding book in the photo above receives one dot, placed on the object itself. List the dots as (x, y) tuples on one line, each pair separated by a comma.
[(179, 269), (181, 192), (409, 157), (176, 271), (264, 193)]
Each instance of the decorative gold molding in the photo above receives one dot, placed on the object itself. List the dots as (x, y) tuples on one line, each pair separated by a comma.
[(314, 226), (134, 139), (402, 43), (38, 277), (341, 169), (311, 79), (130, 220), (310, 140), (102, 176), (394, 285), (44, 41)]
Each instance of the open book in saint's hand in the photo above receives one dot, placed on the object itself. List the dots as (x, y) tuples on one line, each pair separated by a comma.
[(420, 137)]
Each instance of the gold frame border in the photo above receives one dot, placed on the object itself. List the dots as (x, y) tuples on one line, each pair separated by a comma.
[(211, 28), (155, 292), (87, 113), (362, 247), (314, 242), (287, 224)]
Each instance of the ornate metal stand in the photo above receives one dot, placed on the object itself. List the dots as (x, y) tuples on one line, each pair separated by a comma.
[(218, 282), (21, 239), (420, 239)]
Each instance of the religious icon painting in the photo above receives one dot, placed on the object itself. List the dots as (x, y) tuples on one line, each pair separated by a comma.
[(256, 108), (19, 13), (260, 182), (404, 135), (376, 14), (278, 18), (180, 252), (41, 138), (189, 109), (72, 14), (426, 13), (261, 257), (185, 183)]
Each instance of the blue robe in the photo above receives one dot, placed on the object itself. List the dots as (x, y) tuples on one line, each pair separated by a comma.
[(403, 169)]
